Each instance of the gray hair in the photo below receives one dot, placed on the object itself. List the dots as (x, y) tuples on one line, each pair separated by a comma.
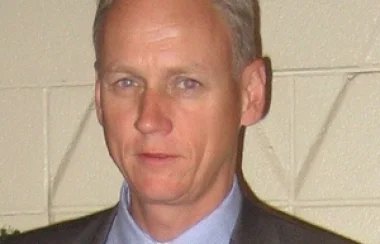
[(242, 20)]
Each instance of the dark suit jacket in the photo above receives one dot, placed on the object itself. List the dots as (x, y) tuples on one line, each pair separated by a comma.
[(257, 224)]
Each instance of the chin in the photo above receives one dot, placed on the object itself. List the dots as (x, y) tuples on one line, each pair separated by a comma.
[(160, 193)]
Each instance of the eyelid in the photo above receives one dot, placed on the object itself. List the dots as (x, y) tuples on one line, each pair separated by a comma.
[(133, 82), (182, 80), (114, 78)]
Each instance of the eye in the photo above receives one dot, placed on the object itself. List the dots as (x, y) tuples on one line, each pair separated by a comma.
[(188, 84), (125, 83)]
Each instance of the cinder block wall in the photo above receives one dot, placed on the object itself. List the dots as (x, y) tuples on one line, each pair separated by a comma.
[(316, 155)]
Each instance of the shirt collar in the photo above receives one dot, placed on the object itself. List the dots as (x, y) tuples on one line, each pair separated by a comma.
[(216, 228)]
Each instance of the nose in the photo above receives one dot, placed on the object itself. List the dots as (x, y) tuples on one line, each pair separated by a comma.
[(153, 114)]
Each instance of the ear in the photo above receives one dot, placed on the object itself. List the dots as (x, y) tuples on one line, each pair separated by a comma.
[(98, 106), (253, 92)]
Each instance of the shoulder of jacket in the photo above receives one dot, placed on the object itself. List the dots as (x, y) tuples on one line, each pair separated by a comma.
[(66, 231), (258, 217)]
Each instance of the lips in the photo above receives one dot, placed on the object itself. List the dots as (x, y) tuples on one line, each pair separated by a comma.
[(156, 158)]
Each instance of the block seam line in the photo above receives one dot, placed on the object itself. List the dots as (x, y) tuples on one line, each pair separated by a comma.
[(369, 46), (309, 162), (269, 152), (67, 156)]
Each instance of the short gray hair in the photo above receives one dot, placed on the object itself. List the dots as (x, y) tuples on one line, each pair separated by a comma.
[(242, 20)]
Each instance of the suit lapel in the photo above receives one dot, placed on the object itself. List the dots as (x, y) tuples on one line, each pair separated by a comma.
[(101, 233), (95, 229), (252, 227)]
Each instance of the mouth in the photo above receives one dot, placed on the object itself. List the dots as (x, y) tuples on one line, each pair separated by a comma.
[(156, 158)]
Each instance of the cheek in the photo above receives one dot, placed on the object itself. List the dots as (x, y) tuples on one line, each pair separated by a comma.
[(211, 130), (115, 121), (117, 124), (117, 112)]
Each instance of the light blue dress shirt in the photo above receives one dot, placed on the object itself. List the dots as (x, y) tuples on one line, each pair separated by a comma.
[(216, 228)]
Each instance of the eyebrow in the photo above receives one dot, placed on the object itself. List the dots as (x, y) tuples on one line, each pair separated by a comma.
[(169, 72), (119, 68)]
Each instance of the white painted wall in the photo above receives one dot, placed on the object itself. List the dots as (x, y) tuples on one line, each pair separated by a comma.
[(316, 155)]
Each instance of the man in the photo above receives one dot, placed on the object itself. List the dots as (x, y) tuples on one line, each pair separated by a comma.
[(177, 80)]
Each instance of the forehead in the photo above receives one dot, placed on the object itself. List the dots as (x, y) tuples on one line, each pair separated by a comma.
[(161, 11), (160, 29)]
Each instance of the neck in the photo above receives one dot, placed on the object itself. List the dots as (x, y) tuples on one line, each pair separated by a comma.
[(164, 222)]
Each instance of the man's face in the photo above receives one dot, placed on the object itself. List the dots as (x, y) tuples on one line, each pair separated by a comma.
[(166, 98)]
